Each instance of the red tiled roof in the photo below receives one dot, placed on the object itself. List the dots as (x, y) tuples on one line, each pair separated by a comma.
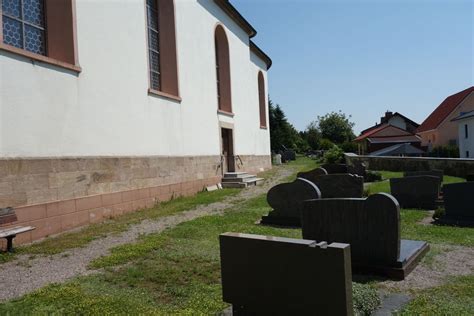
[(395, 139), (394, 131), (443, 110), (370, 132)]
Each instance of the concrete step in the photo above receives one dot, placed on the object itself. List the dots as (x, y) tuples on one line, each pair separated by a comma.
[(235, 174), (251, 182), (237, 185), (245, 178)]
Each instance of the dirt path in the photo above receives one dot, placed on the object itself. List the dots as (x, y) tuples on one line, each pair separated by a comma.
[(24, 275)]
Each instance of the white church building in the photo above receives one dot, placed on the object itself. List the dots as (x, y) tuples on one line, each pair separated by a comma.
[(107, 107)]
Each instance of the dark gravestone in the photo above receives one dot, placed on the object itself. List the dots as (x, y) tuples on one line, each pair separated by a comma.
[(332, 168), (288, 155), (312, 173), (419, 192), (371, 226), (338, 185), (357, 168), (285, 200), (458, 203), (470, 178), (435, 173), (264, 275)]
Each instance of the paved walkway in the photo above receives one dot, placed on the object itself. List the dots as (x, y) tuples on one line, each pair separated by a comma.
[(24, 275)]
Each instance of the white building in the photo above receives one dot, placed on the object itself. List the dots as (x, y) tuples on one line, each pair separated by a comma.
[(109, 106), (466, 134)]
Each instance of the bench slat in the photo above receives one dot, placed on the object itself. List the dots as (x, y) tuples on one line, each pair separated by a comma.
[(15, 230)]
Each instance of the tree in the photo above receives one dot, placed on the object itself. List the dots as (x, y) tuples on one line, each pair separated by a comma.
[(336, 127), (312, 135), (282, 133)]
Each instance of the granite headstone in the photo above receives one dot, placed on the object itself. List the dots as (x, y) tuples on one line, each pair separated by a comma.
[(265, 275), (285, 200), (459, 205), (337, 185), (332, 168), (371, 226), (419, 192)]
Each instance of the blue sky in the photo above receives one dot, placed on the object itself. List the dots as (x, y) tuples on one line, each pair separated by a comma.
[(363, 57)]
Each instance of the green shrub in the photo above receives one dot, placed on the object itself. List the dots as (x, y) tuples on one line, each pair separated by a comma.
[(438, 213), (334, 155), (350, 147), (365, 299), (325, 144), (450, 151)]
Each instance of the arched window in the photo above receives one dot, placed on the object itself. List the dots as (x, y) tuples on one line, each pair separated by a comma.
[(163, 65), (261, 100), (222, 70)]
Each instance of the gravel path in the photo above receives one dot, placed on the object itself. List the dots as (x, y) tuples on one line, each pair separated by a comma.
[(24, 275), (451, 261)]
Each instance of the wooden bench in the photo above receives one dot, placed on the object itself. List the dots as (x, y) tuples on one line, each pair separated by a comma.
[(7, 216)]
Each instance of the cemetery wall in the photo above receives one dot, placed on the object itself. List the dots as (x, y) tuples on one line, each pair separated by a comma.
[(451, 166)]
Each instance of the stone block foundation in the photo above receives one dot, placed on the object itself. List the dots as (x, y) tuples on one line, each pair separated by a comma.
[(58, 194)]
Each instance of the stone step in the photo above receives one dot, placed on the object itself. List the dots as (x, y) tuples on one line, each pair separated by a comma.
[(235, 174), (237, 185), (245, 178), (244, 184)]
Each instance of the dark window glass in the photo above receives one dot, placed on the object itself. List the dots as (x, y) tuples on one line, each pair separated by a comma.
[(466, 131), (153, 44), (467, 154), (23, 25)]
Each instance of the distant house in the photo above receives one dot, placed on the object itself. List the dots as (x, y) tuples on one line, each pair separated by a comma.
[(394, 129), (384, 136), (395, 119), (439, 129), (465, 123)]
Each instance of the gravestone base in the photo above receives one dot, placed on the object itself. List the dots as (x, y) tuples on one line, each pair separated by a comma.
[(456, 221), (411, 252), (284, 221)]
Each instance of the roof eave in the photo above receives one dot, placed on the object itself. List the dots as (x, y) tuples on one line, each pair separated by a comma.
[(260, 53), (228, 8)]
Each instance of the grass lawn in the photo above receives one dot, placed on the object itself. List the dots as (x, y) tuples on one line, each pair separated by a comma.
[(384, 185)]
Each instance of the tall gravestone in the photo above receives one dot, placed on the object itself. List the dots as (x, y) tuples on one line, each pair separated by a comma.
[(337, 185), (332, 168), (265, 275), (459, 205), (285, 200), (435, 173), (358, 168), (419, 192), (312, 173), (371, 226)]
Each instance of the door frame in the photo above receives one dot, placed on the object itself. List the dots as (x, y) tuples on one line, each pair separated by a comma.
[(227, 165)]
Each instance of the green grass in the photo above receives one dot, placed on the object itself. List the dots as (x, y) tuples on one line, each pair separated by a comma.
[(453, 298), (177, 271), (174, 272), (412, 229), (81, 238), (384, 185)]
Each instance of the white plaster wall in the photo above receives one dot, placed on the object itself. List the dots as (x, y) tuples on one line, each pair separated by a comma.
[(106, 110), (466, 144)]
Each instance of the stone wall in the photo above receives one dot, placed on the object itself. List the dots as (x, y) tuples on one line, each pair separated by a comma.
[(451, 166), (253, 164), (58, 194)]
